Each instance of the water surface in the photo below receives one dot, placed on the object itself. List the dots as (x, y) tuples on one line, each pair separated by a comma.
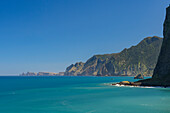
[(79, 95)]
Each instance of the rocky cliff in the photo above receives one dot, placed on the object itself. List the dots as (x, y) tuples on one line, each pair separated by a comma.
[(161, 75), (74, 69), (162, 69), (141, 58)]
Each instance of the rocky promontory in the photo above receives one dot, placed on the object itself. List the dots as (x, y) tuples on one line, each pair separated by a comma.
[(161, 75)]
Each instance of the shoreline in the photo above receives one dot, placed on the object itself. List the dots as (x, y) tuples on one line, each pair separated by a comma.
[(137, 86), (131, 86), (143, 83)]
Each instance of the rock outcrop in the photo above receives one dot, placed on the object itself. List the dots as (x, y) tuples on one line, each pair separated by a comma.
[(139, 76), (141, 58)]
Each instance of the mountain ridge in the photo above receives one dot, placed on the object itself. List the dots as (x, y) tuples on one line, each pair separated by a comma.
[(124, 63)]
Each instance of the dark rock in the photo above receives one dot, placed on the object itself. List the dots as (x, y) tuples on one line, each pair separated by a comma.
[(139, 76), (162, 69), (128, 83)]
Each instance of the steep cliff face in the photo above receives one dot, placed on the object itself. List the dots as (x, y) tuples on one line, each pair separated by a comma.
[(161, 75), (141, 58), (162, 69)]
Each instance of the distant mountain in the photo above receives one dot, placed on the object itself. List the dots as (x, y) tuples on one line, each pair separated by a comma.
[(141, 58)]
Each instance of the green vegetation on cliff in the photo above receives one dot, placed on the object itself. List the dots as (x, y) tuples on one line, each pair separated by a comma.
[(141, 58)]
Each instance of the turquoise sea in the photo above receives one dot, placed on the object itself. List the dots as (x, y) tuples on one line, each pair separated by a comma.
[(79, 95)]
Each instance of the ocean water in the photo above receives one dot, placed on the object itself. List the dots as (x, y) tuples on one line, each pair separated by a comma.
[(79, 95)]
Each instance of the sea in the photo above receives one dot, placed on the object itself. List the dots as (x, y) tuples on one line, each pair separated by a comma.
[(80, 94)]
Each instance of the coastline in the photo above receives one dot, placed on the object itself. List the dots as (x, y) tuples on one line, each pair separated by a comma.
[(150, 82), (119, 85)]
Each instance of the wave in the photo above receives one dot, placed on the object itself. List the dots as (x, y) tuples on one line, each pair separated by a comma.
[(118, 85)]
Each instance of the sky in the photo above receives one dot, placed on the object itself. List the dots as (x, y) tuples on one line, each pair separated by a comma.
[(49, 35)]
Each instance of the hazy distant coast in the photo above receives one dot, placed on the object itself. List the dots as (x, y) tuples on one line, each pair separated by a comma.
[(42, 74)]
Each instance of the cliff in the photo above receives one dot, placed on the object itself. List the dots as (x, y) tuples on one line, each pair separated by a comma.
[(161, 75), (162, 69), (137, 59), (74, 69)]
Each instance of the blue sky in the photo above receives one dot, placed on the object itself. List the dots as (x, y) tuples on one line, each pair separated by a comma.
[(49, 35)]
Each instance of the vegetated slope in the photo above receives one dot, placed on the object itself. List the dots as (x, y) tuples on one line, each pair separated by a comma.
[(141, 58)]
